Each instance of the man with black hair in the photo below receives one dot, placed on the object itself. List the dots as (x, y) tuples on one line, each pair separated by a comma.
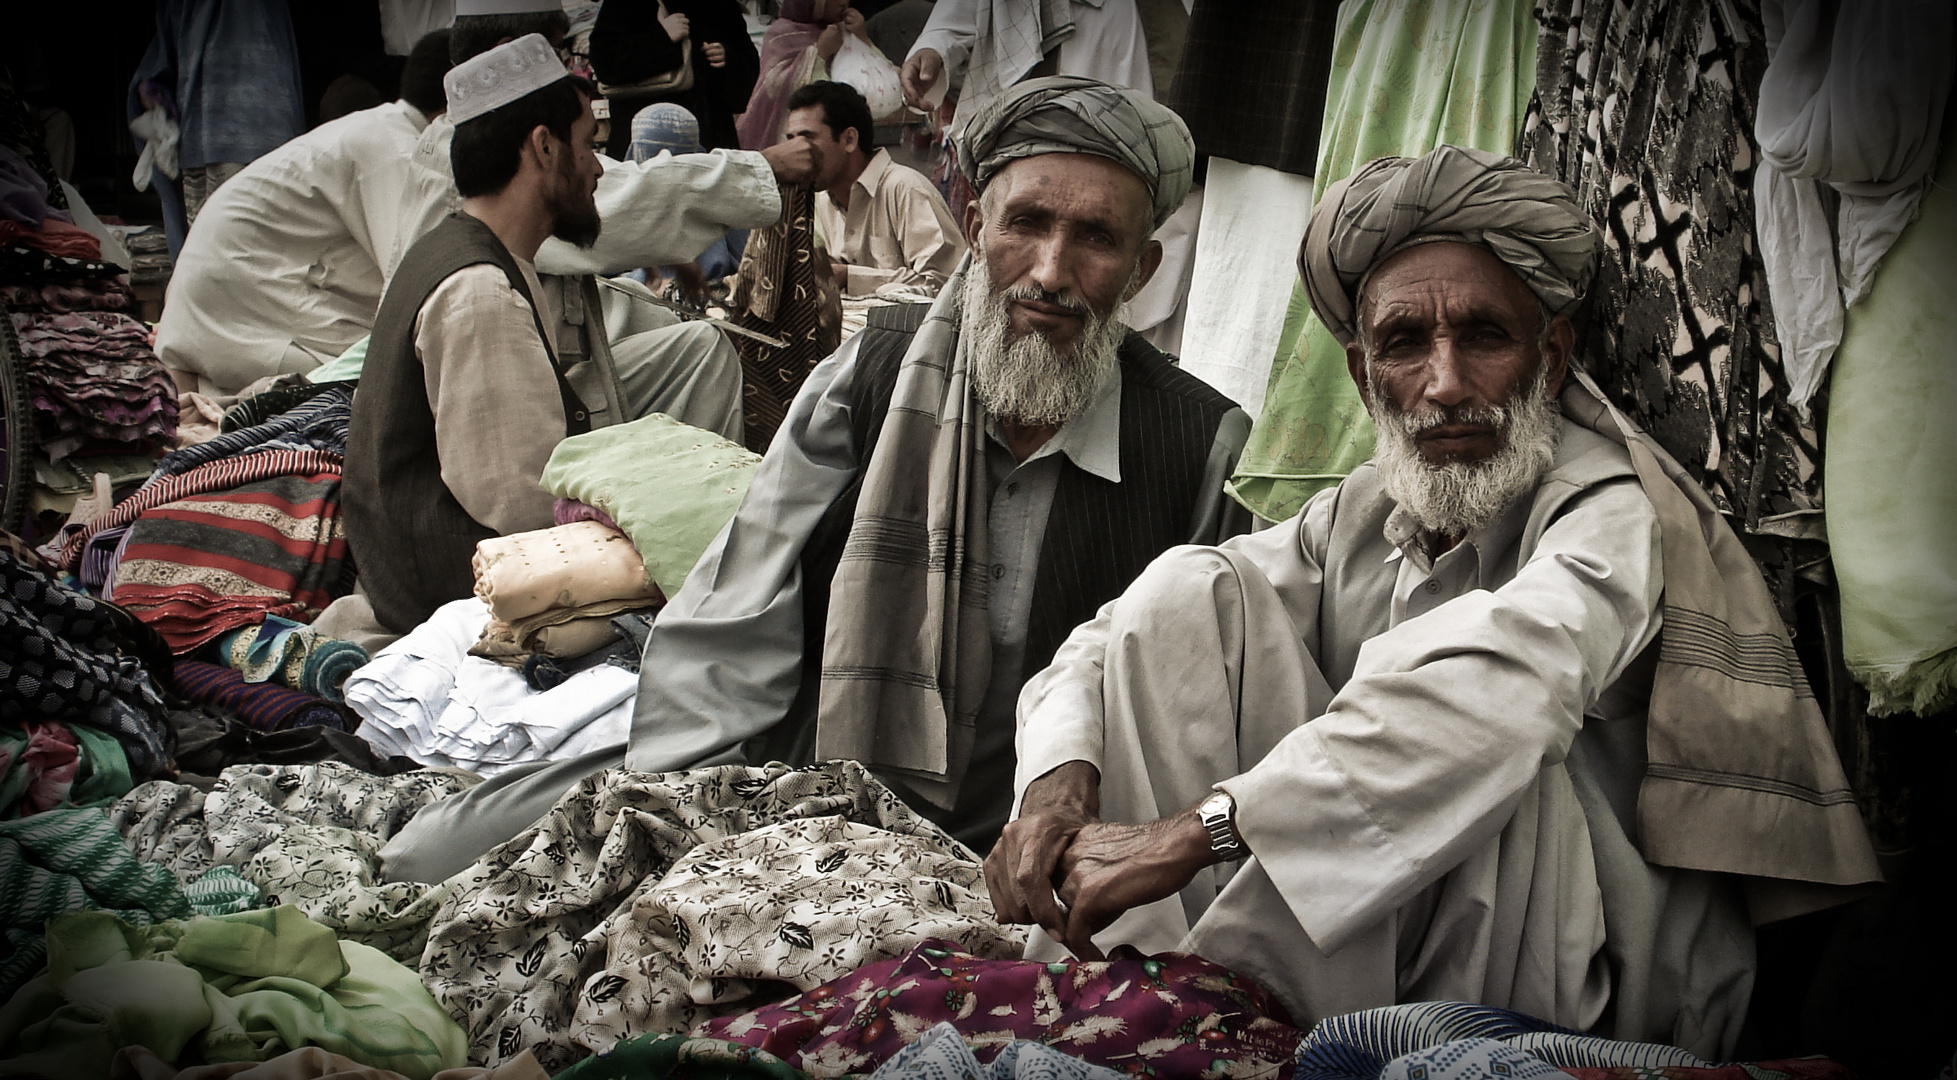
[(287, 262), (465, 395), (887, 227)]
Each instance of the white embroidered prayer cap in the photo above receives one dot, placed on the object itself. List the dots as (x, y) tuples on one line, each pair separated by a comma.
[(505, 7), (501, 75)]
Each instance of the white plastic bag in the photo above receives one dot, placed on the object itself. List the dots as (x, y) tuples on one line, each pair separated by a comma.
[(863, 66)]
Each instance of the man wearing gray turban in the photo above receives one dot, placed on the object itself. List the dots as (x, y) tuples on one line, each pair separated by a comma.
[(952, 492), (1506, 717)]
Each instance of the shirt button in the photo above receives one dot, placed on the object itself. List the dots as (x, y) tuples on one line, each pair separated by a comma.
[(1433, 587), (1011, 490), (579, 415), (998, 571)]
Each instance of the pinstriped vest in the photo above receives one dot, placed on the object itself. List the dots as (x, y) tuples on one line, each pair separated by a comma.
[(1099, 535), (410, 537)]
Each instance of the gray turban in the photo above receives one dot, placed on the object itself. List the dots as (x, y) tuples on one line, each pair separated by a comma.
[(1062, 114), (1528, 220)]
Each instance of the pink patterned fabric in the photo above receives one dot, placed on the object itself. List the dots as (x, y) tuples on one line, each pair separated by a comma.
[(1172, 1014), (788, 60), (50, 758)]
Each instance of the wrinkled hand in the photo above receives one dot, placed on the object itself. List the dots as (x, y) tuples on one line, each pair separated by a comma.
[(921, 72), (677, 25), (795, 161), (1024, 865), (1110, 868), (715, 52), (830, 42)]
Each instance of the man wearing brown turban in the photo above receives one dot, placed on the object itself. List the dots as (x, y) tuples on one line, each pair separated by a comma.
[(1506, 717)]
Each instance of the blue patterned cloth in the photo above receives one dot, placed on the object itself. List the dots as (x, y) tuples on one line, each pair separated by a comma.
[(664, 125), (319, 423), (940, 1054), (1452, 1040)]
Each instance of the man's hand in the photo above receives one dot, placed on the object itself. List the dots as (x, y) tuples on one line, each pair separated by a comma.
[(715, 52), (676, 25), (921, 72), (1110, 868), (830, 42), (1023, 867), (795, 161), (840, 270)]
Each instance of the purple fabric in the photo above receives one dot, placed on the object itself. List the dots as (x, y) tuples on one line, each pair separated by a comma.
[(566, 511), (787, 60), (91, 375), (1167, 1015), (99, 559), (24, 192)]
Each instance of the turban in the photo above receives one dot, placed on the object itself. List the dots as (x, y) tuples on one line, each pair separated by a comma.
[(1528, 220), (1062, 114)]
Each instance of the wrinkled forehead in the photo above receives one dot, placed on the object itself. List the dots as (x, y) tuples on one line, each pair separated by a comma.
[(1087, 183), (1453, 272)]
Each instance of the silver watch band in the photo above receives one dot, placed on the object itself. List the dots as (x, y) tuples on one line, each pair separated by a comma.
[(1216, 813)]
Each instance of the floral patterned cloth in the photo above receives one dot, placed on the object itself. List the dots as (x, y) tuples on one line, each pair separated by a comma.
[(1165, 1015), (306, 834), (645, 903), (677, 1057)]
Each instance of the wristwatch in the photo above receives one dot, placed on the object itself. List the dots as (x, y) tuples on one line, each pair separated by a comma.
[(1217, 814)]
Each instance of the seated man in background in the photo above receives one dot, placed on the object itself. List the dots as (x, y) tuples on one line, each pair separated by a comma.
[(1501, 718), (950, 494), (288, 259), (885, 225), (464, 394)]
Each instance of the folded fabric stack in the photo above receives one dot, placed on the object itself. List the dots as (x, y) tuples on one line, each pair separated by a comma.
[(424, 697), (293, 655), (265, 706), (63, 297), (68, 656), (94, 379), (668, 486), (555, 590), (230, 988), (647, 902)]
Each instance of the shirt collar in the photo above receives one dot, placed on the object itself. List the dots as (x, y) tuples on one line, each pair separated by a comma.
[(873, 173), (1092, 440), (1410, 540)]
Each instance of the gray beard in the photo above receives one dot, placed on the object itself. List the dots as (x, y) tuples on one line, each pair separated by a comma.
[(1458, 497), (1029, 381)]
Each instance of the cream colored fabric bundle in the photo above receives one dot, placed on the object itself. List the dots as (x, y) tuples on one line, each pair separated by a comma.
[(568, 566)]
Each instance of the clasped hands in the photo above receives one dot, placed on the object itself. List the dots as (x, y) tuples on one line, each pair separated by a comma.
[(1059, 866)]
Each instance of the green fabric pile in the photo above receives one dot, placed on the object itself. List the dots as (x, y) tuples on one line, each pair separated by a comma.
[(243, 987), (670, 487), (101, 776)]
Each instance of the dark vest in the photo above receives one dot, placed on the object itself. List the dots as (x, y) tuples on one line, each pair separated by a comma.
[(410, 537), (1099, 535)]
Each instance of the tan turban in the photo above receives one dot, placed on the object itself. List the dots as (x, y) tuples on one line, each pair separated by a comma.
[(1528, 220), (1062, 114)]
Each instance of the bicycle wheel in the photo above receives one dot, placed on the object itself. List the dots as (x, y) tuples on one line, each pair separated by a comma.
[(16, 430)]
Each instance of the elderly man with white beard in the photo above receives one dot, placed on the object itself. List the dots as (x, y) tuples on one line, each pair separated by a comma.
[(951, 493), (1507, 717)]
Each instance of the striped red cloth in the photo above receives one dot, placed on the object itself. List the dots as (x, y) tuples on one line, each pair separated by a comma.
[(264, 706), (201, 566), (218, 475)]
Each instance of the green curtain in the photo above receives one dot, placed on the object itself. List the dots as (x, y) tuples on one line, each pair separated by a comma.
[(1892, 503), (1407, 76)]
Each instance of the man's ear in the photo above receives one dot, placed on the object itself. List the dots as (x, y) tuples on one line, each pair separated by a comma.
[(1355, 366), (1151, 262), (542, 146), (849, 141), (974, 224), (1558, 347)]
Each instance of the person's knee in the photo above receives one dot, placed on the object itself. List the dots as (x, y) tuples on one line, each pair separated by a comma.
[(1177, 583)]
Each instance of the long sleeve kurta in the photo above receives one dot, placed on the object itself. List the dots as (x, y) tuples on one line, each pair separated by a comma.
[(1429, 811), (286, 266), (1107, 43), (655, 213), (897, 230), (481, 357)]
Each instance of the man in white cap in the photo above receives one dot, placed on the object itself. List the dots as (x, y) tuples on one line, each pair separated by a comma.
[(465, 393)]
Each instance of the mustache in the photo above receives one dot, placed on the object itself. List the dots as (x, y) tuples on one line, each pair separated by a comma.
[(1058, 299)]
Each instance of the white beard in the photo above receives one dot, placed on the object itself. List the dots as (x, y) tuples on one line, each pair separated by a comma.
[(1457, 497), (1029, 381)]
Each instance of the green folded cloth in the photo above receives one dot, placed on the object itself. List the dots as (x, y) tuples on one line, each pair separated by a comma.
[(293, 655), (670, 487), (243, 987)]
